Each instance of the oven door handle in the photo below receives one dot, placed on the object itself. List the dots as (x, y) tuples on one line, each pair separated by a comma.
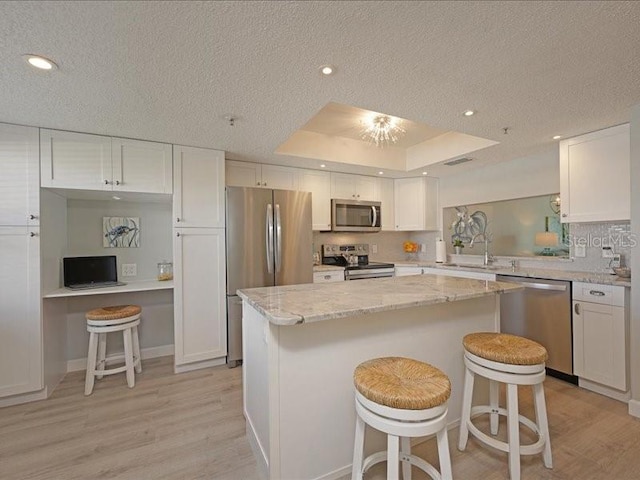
[(375, 216)]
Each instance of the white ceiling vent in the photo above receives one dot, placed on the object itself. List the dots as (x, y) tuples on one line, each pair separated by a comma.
[(458, 161)]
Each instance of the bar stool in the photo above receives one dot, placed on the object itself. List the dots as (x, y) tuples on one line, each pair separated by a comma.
[(100, 321), (403, 398), (514, 361)]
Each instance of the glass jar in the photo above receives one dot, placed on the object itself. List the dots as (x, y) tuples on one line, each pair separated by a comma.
[(165, 271)]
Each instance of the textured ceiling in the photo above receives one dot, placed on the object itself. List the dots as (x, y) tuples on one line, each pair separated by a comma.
[(171, 71)]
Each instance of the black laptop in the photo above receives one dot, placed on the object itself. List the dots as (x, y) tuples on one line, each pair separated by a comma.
[(90, 272)]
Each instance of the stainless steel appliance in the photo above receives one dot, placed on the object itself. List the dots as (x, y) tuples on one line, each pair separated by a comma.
[(269, 242), (355, 259), (542, 312), (355, 216)]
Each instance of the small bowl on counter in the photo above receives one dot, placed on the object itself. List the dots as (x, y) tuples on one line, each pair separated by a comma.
[(622, 272)]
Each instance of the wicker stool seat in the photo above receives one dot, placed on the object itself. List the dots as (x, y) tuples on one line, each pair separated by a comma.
[(403, 398), (512, 360), (100, 321)]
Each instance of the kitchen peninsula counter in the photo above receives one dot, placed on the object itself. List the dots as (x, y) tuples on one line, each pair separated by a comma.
[(301, 344)]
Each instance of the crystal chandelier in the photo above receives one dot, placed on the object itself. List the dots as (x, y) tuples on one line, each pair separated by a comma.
[(382, 130)]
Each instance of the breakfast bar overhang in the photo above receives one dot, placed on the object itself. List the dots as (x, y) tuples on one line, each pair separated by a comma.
[(302, 343)]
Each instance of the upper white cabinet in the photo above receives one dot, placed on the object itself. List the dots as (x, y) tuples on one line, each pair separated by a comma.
[(319, 184), (198, 199), (416, 204), (354, 187), (386, 198), (141, 166), (20, 179), (94, 162), (246, 174), (600, 334), (595, 176)]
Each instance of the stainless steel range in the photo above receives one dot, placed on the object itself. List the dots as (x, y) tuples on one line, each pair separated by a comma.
[(355, 260)]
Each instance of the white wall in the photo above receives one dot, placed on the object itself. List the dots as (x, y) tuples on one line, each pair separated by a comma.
[(634, 406), (523, 177)]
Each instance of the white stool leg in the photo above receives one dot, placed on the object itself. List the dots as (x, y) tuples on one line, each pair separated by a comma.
[(128, 357), (136, 350), (543, 424), (91, 363), (443, 454), (467, 397), (513, 427), (493, 402), (393, 450), (405, 449), (102, 353), (358, 450)]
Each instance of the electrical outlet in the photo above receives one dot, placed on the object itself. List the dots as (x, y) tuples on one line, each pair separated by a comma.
[(579, 251), (374, 248), (607, 252), (129, 269), (423, 248)]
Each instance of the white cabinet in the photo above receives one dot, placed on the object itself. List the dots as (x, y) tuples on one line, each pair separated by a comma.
[(416, 204), (21, 368), (328, 277), (600, 333), (319, 184), (200, 318), (595, 176), (198, 199), (19, 181), (94, 162), (354, 187), (246, 174), (387, 208)]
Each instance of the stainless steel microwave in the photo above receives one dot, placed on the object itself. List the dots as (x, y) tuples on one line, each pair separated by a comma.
[(355, 216)]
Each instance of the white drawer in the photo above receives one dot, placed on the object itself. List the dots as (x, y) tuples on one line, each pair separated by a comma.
[(326, 277), (602, 294)]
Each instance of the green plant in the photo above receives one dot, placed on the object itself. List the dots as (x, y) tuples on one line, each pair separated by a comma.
[(458, 243)]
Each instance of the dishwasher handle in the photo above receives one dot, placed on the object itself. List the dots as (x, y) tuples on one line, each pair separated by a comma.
[(545, 286)]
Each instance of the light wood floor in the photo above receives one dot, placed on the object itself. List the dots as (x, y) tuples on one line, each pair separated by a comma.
[(190, 426)]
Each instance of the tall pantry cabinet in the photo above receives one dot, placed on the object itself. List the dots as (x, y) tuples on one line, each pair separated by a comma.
[(199, 258), (20, 304)]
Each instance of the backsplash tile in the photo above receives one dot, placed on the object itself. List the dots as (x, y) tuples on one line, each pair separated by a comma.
[(594, 236)]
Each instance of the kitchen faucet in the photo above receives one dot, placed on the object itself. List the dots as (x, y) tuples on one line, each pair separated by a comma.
[(487, 258)]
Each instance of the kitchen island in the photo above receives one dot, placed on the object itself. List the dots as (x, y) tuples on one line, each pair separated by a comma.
[(301, 344)]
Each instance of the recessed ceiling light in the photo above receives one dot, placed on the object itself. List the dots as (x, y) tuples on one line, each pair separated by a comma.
[(424, 173), (40, 62), (322, 166), (327, 69), (556, 137), (468, 113), (380, 173)]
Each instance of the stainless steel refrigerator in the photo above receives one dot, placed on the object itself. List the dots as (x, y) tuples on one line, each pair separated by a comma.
[(269, 242)]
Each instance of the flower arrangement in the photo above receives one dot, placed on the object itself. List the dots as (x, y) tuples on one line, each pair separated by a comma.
[(410, 247)]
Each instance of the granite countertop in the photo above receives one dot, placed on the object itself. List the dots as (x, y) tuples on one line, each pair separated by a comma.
[(546, 273), (293, 304), (328, 268)]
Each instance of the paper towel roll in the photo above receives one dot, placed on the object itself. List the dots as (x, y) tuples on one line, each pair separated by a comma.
[(441, 251)]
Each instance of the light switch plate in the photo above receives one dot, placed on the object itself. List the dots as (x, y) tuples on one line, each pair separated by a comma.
[(129, 269), (579, 251)]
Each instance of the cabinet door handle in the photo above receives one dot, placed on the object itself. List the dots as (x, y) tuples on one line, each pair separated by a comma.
[(596, 293), (177, 219), (32, 234), (564, 215), (32, 217), (117, 182), (327, 277), (576, 308), (264, 184), (177, 234), (106, 182), (258, 183)]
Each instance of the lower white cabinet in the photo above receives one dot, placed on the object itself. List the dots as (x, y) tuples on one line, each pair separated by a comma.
[(328, 277), (600, 334), (199, 295), (20, 320)]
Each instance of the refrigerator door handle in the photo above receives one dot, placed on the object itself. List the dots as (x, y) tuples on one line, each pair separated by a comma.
[(278, 239), (269, 238), (375, 216)]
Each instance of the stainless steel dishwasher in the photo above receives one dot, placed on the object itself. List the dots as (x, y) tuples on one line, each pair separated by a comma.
[(542, 312)]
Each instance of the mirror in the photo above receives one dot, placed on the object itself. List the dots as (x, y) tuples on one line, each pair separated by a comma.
[(523, 227)]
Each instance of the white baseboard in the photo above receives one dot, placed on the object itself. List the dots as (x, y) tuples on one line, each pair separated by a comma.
[(188, 367), (151, 352), (634, 408), (23, 398), (256, 448), (604, 390)]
